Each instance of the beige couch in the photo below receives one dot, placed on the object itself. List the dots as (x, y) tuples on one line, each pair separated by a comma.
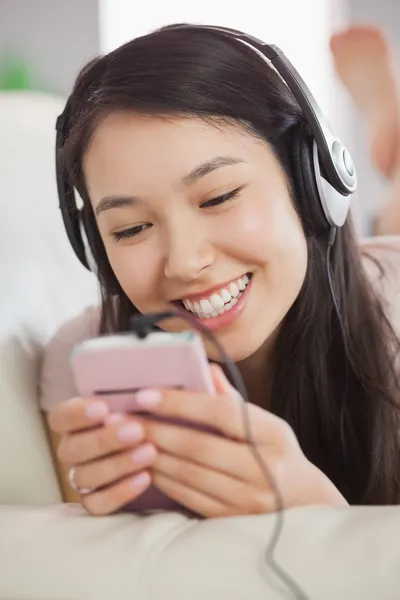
[(51, 551)]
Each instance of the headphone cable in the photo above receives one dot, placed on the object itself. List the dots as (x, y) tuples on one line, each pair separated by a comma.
[(142, 325)]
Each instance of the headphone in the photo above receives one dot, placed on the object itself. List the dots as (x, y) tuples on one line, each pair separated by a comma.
[(323, 170)]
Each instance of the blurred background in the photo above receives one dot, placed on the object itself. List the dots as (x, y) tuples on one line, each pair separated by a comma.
[(44, 43)]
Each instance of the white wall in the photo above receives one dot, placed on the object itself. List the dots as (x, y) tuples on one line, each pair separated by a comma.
[(55, 39), (300, 27)]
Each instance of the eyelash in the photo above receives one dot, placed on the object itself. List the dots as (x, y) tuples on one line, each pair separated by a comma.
[(132, 232), (135, 231), (221, 199)]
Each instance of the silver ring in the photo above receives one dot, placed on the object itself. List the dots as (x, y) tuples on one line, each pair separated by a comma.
[(74, 486)]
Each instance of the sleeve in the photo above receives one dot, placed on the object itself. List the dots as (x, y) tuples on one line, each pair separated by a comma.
[(56, 382)]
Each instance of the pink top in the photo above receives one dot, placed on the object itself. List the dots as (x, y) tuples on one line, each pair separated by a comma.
[(57, 385)]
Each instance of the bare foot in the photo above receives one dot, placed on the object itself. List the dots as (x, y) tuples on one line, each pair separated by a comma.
[(363, 62)]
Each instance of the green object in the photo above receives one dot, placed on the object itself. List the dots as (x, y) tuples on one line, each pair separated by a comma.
[(17, 78), (15, 75), (18, 73)]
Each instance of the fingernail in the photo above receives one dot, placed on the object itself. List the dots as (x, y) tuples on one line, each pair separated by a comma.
[(96, 410), (148, 398), (142, 454), (74, 400), (114, 418), (140, 480), (130, 432)]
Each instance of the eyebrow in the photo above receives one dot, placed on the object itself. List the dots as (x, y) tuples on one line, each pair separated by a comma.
[(109, 202), (209, 166)]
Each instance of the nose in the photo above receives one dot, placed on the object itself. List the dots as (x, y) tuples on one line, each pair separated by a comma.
[(188, 253)]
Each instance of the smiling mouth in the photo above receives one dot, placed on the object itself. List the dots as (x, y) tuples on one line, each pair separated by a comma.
[(218, 302)]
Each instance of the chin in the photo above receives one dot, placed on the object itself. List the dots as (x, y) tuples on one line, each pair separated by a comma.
[(241, 349)]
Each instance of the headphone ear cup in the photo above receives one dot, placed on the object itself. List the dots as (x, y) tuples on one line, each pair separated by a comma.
[(90, 260), (304, 179)]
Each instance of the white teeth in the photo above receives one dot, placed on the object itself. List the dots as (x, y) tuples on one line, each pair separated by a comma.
[(206, 307), (220, 302), (241, 285), (234, 290), (225, 295), (188, 305), (216, 301)]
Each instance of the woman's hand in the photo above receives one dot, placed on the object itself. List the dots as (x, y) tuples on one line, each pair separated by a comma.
[(108, 452), (218, 476)]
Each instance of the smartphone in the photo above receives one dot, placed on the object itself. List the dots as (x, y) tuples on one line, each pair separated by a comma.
[(115, 367)]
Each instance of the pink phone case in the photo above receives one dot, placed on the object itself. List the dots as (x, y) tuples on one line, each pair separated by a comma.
[(116, 366)]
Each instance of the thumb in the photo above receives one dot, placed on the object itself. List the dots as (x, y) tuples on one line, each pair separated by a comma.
[(221, 383)]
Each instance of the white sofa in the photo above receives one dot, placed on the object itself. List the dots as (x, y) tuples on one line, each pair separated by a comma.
[(55, 551)]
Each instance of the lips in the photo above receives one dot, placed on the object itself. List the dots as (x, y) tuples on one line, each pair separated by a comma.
[(219, 301)]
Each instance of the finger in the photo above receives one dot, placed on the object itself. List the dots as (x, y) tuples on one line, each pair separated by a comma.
[(116, 496), (191, 498), (224, 413), (103, 472), (77, 414), (221, 383), (230, 457), (234, 494), (88, 445)]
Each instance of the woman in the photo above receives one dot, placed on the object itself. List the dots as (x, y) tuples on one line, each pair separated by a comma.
[(181, 146)]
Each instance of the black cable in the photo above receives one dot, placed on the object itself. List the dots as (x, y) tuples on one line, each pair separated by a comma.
[(331, 241), (142, 325)]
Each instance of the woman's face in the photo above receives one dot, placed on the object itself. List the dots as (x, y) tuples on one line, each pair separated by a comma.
[(197, 216)]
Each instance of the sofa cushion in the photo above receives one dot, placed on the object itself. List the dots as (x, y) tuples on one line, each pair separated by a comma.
[(332, 553), (44, 286)]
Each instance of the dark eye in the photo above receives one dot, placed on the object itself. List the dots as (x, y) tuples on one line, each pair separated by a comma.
[(131, 232), (221, 199)]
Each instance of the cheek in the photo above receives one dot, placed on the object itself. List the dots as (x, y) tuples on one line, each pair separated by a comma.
[(270, 232), (129, 265), (286, 254)]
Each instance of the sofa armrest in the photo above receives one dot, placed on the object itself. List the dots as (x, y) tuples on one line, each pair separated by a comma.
[(60, 552)]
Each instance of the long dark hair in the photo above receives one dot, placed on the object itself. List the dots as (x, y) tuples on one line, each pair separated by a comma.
[(334, 384)]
